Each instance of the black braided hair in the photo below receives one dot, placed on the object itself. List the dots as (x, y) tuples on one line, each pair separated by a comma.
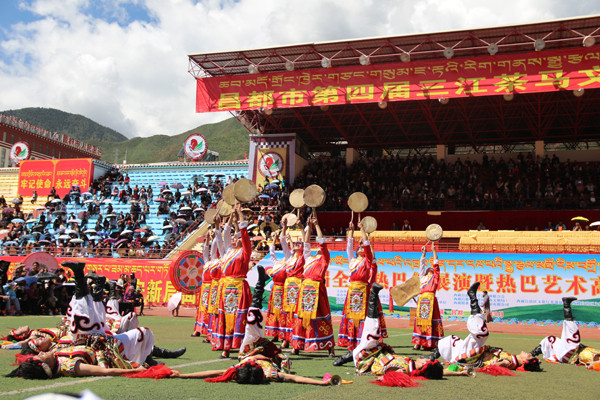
[(30, 369), (248, 374)]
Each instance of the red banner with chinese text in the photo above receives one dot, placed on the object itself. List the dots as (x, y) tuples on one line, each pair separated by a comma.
[(544, 71), (43, 175), (36, 175), (152, 275)]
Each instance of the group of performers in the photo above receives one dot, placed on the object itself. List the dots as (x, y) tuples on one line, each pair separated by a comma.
[(299, 311), (95, 340), (299, 316)]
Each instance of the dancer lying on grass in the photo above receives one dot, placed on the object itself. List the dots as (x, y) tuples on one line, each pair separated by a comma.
[(93, 353), (568, 349), (372, 356), (472, 351), (452, 348), (254, 370), (114, 322), (261, 361)]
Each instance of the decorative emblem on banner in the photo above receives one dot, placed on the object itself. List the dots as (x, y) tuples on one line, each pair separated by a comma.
[(195, 146), (19, 152), (270, 165), (186, 272)]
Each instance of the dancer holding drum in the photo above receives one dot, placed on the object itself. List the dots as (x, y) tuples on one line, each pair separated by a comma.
[(363, 274), (210, 257), (276, 318), (428, 329), (294, 275), (235, 295), (313, 330)]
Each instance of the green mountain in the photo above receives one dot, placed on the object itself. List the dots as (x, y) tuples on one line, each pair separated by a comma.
[(74, 125), (229, 138)]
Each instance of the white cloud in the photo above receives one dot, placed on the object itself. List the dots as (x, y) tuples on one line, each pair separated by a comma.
[(132, 75)]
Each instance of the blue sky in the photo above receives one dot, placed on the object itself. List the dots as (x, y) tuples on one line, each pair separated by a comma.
[(20, 12), (123, 63), (12, 11)]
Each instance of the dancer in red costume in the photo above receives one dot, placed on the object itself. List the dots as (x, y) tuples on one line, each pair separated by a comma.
[(312, 322), (215, 274), (291, 290), (428, 329), (209, 253), (363, 273), (276, 317), (235, 295)]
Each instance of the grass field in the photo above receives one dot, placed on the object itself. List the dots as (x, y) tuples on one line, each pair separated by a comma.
[(556, 382)]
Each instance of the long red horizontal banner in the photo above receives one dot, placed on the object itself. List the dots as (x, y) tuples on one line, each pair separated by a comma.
[(544, 71)]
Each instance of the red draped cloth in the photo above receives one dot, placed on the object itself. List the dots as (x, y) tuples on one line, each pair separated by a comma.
[(315, 333)]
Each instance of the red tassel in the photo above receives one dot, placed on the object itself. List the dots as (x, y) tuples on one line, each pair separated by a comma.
[(396, 379), (496, 370), (229, 375), (155, 372), (20, 358)]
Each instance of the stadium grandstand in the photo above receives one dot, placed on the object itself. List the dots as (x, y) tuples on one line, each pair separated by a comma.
[(423, 133)]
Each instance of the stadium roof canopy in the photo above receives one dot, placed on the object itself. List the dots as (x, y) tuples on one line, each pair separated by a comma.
[(556, 114)]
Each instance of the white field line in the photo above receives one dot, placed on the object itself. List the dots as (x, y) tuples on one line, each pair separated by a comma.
[(97, 378), (452, 324)]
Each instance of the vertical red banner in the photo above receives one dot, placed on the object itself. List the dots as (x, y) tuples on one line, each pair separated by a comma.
[(69, 172), (36, 175)]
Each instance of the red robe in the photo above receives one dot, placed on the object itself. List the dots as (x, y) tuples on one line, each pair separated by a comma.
[(294, 272), (235, 296), (202, 316), (276, 318), (428, 335), (312, 330), (213, 298), (364, 272)]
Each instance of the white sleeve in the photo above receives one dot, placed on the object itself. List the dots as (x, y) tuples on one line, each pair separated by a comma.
[(205, 251), (306, 251), (213, 248), (272, 253), (350, 248), (220, 244), (227, 237), (422, 266), (285, 247)]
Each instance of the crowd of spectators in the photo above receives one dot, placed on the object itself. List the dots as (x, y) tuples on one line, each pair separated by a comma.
[(51, 228), (425, 183), (34, 291), (390, 183)]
